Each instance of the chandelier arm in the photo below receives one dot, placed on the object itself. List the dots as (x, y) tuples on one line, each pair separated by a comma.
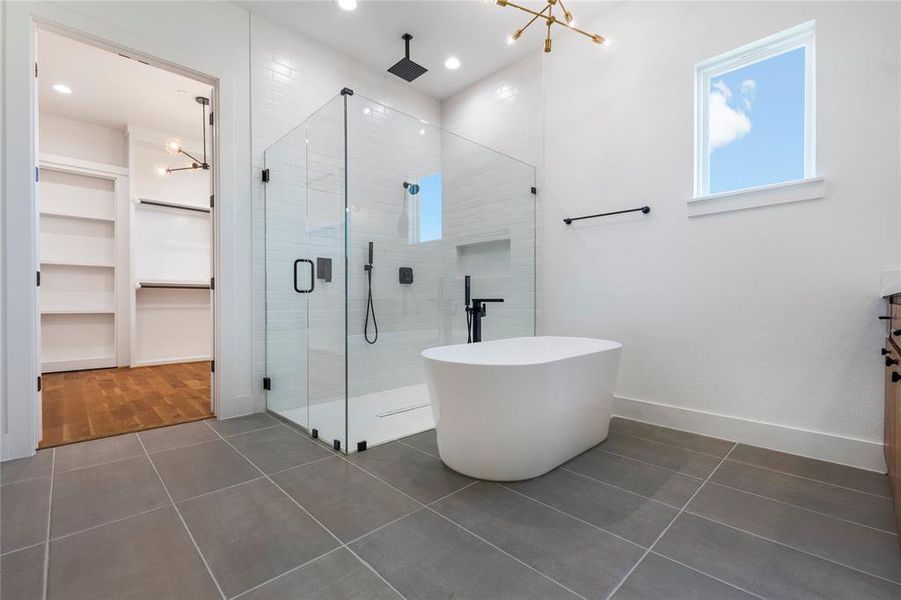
[(191, 168), (197, 160), (528, 10), (594, 36), (533, 19)]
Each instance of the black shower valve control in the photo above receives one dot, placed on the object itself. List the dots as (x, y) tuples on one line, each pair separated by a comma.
[(405, 275)]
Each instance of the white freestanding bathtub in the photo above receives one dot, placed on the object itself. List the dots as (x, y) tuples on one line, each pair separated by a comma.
[(514, 409)]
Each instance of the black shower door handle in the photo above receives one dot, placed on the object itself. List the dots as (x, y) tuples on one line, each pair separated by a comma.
[(312, 276)]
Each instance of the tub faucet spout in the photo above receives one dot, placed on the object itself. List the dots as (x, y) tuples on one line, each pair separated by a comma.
[(477, 310)]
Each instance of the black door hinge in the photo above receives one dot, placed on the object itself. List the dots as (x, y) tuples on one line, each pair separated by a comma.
[(534, 190), (212, 283), (212, 200), (38, 278), (265, 175), (211, 118), (39, 383), (37, 174), (267, 383), (35, 69), (212, 366)]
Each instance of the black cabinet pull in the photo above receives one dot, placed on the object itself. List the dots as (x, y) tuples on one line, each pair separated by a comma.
[(896, 377), (884, 351), (312, 276), (890, 361)]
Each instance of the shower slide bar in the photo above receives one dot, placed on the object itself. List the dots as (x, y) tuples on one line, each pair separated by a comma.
[(643, 209)]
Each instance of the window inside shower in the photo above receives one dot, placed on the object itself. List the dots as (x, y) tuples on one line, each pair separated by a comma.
[(337, 184)]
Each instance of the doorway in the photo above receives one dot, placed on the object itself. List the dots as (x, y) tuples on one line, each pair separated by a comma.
[(125, 232)]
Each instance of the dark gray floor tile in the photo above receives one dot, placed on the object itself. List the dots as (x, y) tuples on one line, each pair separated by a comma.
[(89, 497), (336, 576), (22, 574), (583, 558), (165, 438), (641, 478), (763, 567), (658, 578), (858, 479), (677, 459), (147, 556), (427, 441), (236, 425), (24, 509), (345, 499), (853, 545), (30, 467), (251, 533), (424, 477), (675, 437), (628, 515), (874, 511), (425, 556), (96, 452), (277, 448), (202, 468)]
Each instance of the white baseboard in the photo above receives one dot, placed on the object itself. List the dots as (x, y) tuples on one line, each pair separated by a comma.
[(170, 361), (78, 364), (854, 452)]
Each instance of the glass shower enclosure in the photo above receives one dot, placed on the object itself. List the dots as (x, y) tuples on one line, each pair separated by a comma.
[(373, 218)]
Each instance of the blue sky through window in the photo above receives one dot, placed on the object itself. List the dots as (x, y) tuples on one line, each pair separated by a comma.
[(756, 123), (430, 208)]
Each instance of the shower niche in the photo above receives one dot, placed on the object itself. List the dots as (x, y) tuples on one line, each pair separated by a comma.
[(433, 207)]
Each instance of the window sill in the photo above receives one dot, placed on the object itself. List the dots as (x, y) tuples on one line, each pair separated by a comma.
[(813, 188)]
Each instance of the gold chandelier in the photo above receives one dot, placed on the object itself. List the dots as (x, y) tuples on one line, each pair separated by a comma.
[(547, 13)]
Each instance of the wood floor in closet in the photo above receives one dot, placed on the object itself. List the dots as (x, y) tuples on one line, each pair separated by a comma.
[(85, 405)]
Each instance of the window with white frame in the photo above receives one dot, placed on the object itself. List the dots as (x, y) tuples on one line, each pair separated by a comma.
[(755, 114)]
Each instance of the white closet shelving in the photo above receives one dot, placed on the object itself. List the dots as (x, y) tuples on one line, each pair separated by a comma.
[(171, 232), (78, 251)]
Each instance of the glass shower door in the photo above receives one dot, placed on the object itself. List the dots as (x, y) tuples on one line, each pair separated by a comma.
[(304, 239)]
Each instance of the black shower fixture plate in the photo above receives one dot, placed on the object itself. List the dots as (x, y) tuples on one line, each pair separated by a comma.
[(405, 68)]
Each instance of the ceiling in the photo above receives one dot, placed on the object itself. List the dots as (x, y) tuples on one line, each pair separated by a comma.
[(475, 31), (114, 91)]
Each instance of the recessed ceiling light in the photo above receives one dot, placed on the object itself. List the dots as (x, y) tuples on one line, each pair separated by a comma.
[(452, 63), (422, 132), (347, 4), (367, 110), (62, 89)]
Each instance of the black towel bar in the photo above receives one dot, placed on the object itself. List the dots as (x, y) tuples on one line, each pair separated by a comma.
[(644, 209)]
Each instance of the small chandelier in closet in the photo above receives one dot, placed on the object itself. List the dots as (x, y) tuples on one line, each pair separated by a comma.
[(175, 145)]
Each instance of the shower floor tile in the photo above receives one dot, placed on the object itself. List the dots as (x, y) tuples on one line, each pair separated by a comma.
[(652, 513)]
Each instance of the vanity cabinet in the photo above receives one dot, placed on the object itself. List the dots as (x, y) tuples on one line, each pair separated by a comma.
[(892, 443)]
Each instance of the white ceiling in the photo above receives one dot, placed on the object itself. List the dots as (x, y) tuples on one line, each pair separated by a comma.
[(114, 91), (475, 31)]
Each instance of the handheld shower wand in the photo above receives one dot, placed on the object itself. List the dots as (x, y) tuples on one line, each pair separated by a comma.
[(370, 307)]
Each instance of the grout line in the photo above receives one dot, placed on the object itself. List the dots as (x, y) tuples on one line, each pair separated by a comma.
[(723, 581), (835, 485), (289, 571), (28, 547), (667, 528), (566, 514), (417, 449), (102, 464), (182, 519), (616, 487), (120, 519), (795, 548), (804, 508), (49, 518), (273, 426), (341, 544), (432, 510), (639, 437), (600, 448)]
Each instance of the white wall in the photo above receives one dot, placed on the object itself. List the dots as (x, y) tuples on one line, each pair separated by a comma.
[(170, 35), (757, 325), (85, 141)]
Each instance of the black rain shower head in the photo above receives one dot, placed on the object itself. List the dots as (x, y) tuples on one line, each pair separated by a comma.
[(412, 188), (405, 68)]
